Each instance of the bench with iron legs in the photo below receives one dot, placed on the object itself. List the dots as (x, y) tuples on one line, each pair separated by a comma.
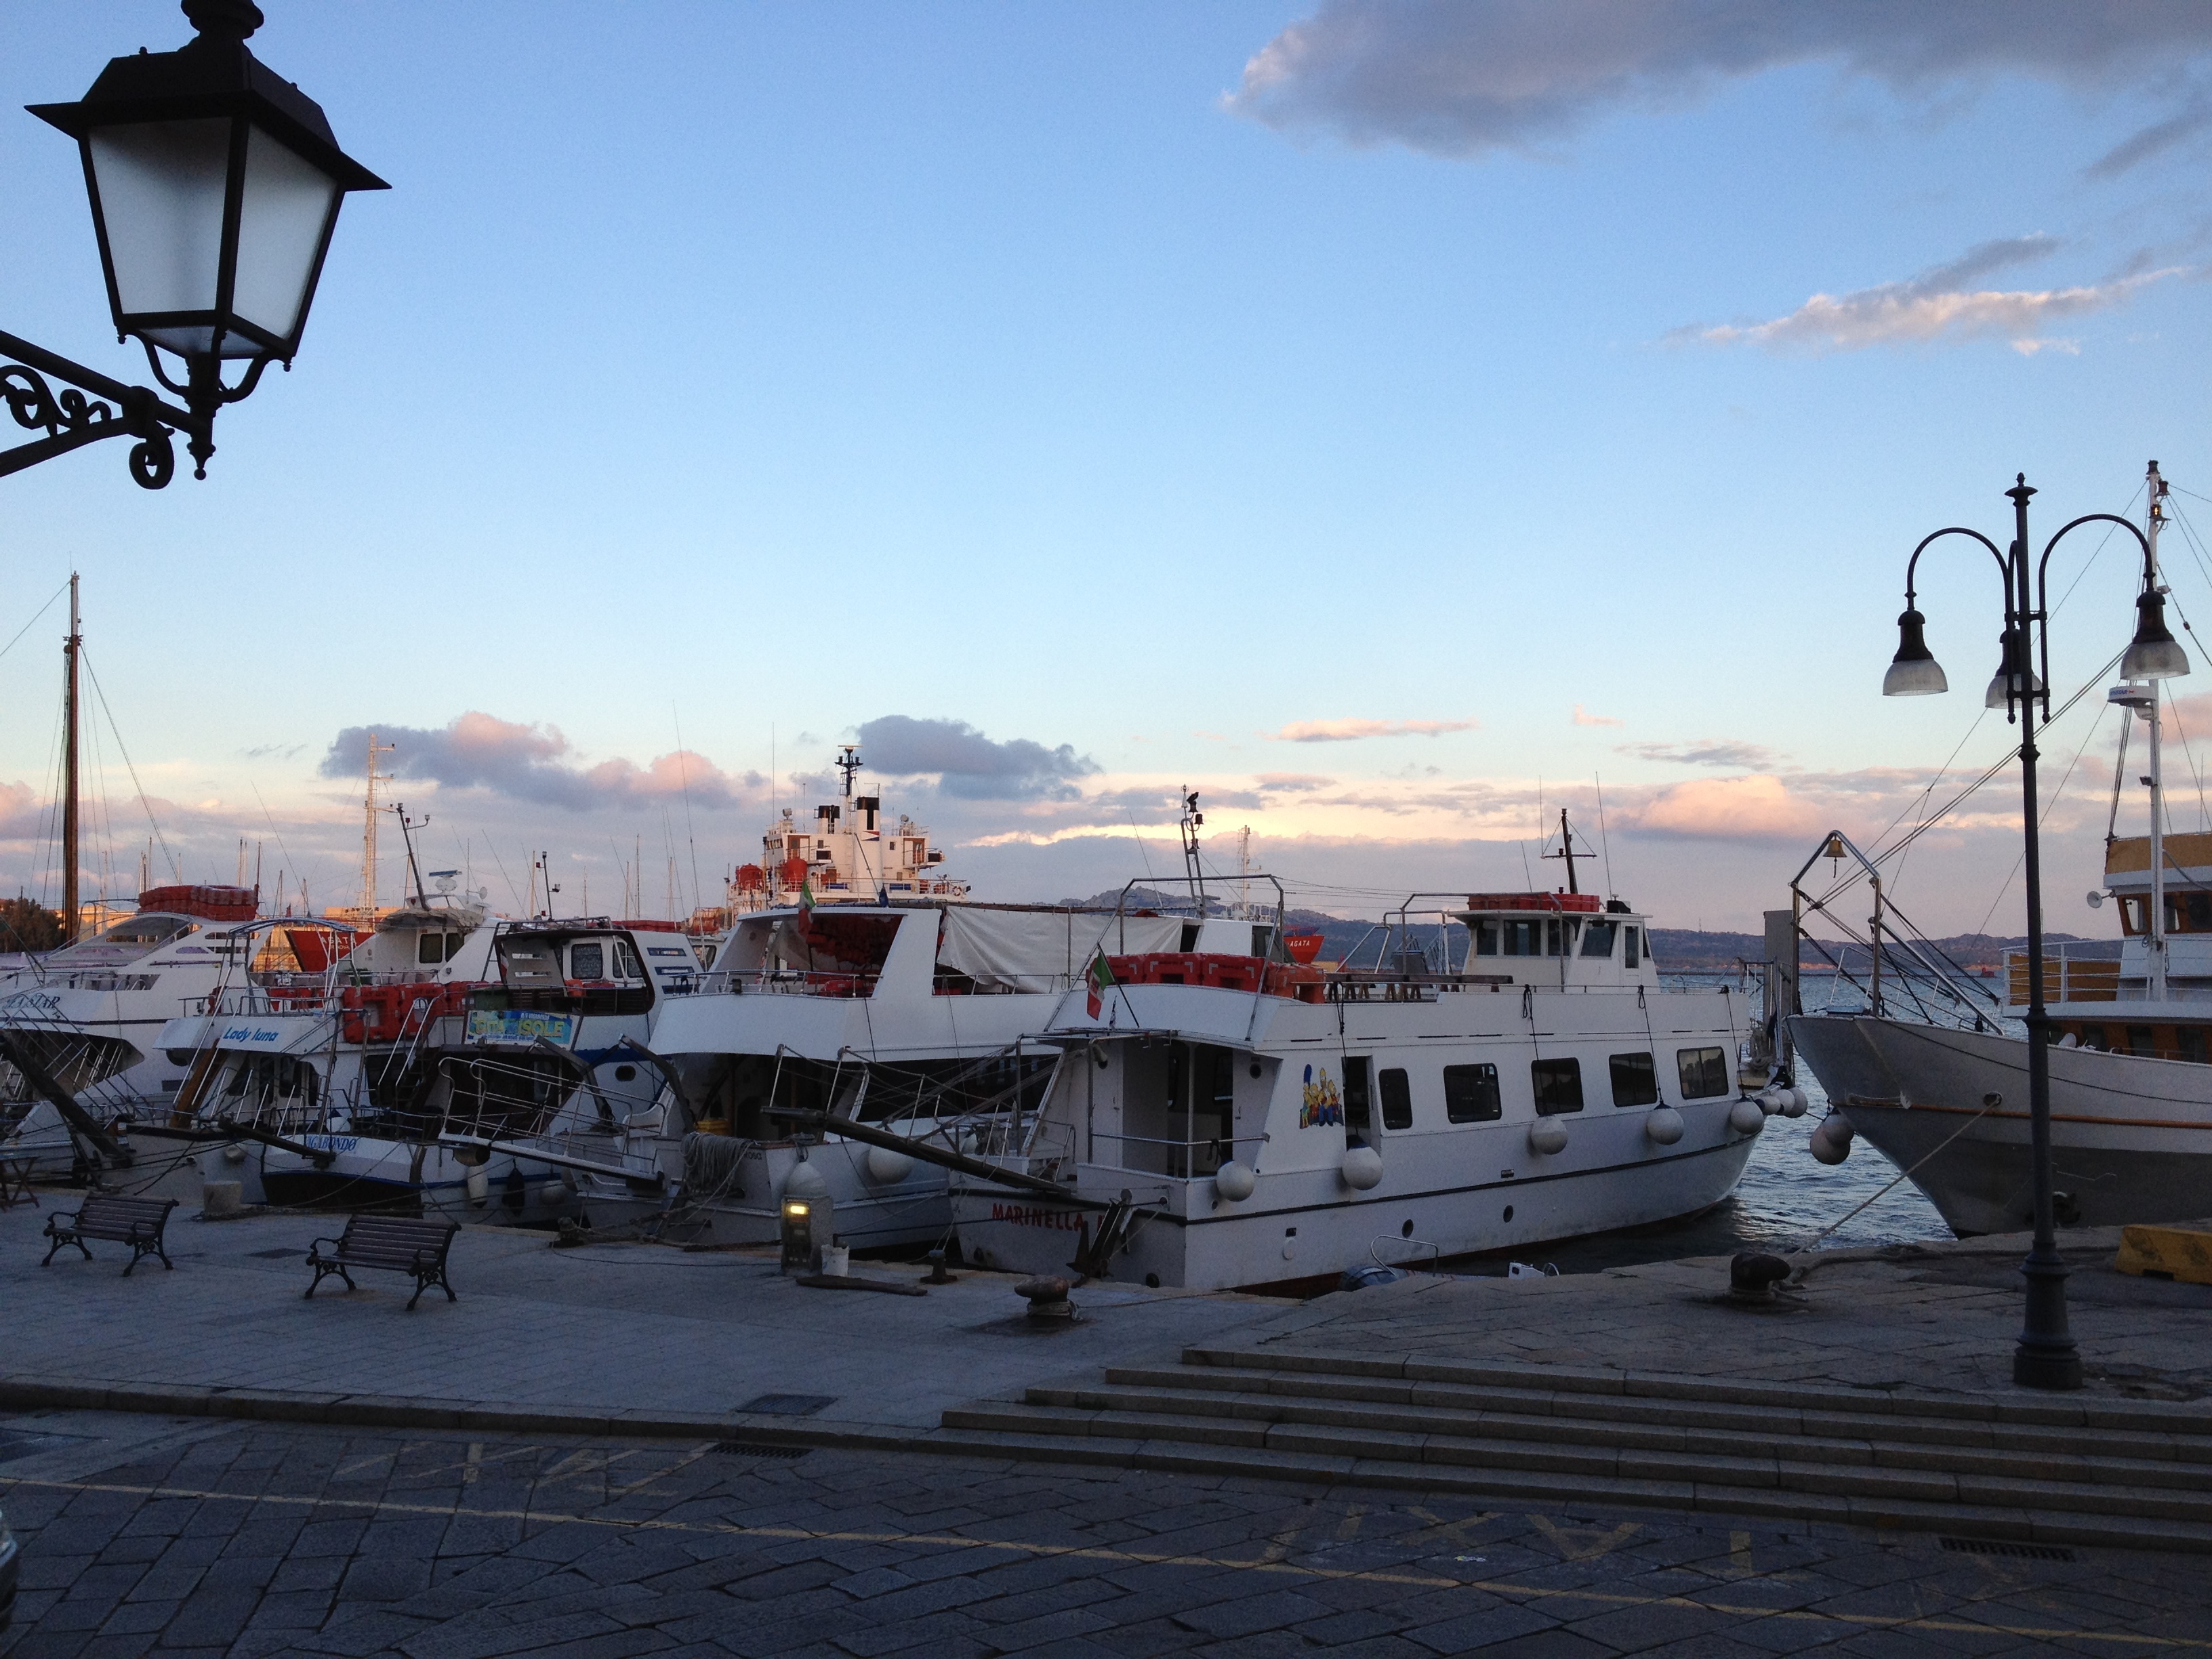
[(137, 1222), (398, 1245)]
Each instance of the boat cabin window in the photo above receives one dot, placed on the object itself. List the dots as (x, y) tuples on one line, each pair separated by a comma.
[(1471, 1094), (2141, 1041), (1484, 929), (1704, 1072), (2188, 913), (627, 965), (587, 960), (1559, 1084), (1597, 937), (1635, 1080), (2092, 1037), (532, 962), (1358, 1114), (1530, 936), (2188, 1043), (437, 947), (2135, 915), (1633, 954), (1397, 1099), (146, 930)]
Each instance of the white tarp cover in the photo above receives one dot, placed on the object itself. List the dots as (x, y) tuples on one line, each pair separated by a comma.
[(1042, 949)]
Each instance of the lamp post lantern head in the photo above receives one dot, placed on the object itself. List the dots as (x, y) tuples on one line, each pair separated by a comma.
[(2008, 679), (214, 184), (1914, 672), (2154, 655)]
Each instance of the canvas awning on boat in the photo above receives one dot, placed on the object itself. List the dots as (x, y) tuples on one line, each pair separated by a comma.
[(1027, 950)]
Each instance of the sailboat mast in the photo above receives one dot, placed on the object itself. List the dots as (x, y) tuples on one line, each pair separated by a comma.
[(2154, 989), (69, 649), (1567, 852)]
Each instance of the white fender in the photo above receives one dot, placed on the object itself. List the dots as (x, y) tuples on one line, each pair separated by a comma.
[(1235, 1182), (805, 1180), (1832, 1141), (1664, 1126), (1747, 1117), (1547, 1135), (479, 1185), (1362, 1167), (887, 1168)]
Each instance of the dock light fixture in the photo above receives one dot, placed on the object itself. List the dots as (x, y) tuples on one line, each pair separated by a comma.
[(1914, 672), (214, 184), (2045, 1356), (2005, 686), (2155, 654)]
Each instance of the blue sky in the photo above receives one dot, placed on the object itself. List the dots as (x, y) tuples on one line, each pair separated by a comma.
[(1317, 406)]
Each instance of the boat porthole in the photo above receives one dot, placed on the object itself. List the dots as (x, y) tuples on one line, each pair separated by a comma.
[(1151, 1281), (1255, 1068), (1406, 1231), (1509, 1212), (625, 1073)]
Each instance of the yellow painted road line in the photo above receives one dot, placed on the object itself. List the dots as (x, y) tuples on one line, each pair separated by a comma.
[(1120, 1558)]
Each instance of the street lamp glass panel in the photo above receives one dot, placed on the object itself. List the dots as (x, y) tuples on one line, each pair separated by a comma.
[(160, 186), (284, 217), (1995, 696), (1908, 677)]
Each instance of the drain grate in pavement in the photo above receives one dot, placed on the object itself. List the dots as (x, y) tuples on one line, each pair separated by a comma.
[(789, 1405), (741, 1448), (277, 1256), (1991, 1547)]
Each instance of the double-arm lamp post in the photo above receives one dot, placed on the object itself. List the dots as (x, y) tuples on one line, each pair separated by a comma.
[(2044, 1357), (214, 184)]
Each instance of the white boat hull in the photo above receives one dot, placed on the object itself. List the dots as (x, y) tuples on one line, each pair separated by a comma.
[(2131, 1136)]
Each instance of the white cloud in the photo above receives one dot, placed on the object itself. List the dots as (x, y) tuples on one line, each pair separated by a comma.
[(1467, 77), (1584, 718), (1893, 315), (1349, 731)]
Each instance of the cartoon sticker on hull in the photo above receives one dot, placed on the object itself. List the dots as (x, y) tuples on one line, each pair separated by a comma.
[(1321, 1105)]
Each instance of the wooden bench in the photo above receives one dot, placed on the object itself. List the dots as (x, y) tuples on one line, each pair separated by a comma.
[(398, 1245), (137, 1222)]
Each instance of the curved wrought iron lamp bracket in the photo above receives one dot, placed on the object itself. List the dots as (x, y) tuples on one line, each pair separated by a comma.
[(1912, 566), (2042, 589), (91, 407)]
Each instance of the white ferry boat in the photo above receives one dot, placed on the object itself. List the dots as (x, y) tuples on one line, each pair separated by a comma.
[(891, 1000), (1221, 1123)]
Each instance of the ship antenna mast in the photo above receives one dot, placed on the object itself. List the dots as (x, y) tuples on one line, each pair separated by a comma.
[(1188, 827), (1567, 853), (849, 762), (414, 869), (368, 831)]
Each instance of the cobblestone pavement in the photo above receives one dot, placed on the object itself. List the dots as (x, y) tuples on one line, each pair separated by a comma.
[(144, 1535)]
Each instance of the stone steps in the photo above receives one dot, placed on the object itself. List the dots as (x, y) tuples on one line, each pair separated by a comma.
[(2032, 1468)]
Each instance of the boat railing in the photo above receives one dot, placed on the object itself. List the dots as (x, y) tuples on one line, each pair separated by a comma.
[(786, 982), (2070, 975), (1179, 1155)]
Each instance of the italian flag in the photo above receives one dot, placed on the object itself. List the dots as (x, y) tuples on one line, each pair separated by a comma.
[(806, 894), (1101, 979)]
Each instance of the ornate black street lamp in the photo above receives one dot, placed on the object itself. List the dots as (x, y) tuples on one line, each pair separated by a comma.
[(2044, 1357), (214, 184)]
